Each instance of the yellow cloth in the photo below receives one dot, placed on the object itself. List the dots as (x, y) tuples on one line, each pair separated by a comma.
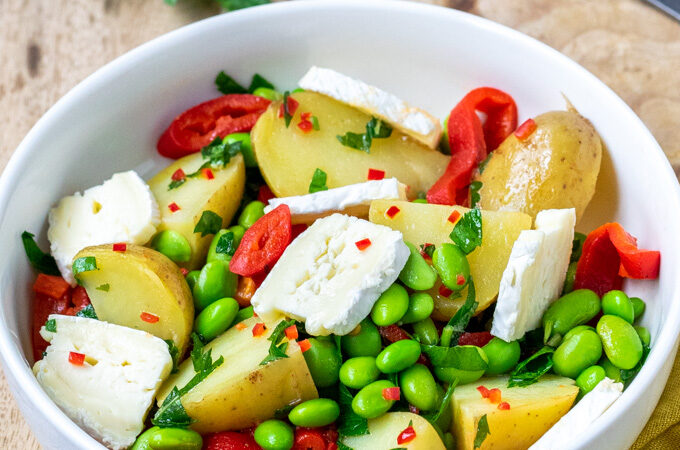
[(662, 432)]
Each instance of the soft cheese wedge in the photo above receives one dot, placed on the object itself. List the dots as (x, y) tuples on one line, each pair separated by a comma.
[(122, 209), (325, 280), (110, 393), (535, 274), (374, 101), (353, 200)]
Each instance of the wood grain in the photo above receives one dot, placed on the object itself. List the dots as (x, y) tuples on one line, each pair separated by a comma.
[(47, 47)]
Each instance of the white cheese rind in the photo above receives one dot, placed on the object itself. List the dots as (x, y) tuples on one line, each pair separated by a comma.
[(580, 417), (324, 280), (111, 393), (535, 273), (122, 209), (372, 100), (353, 199)]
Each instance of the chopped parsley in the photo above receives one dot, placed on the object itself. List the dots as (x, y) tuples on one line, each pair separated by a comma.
[(226, 244), (482, 165), (104, 287), (259, 81), (51, 325), (531, 369), (227, 85), (375, 129), (467, 234), (88, 312), (460, 320), (577, 246), (277, 349), (428, 249), (349, 422), (287, 114), (218, 154), (174, 354), (434, 416), (84, 264), (318, 182), (41, 261), (482, 431), (315, 123), (209, 223), (475, 186)]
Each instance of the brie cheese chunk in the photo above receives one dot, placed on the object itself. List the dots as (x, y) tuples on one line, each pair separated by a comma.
[(326, 281)]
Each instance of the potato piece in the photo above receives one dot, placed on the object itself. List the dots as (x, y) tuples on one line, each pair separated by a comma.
[(385, 429), (533, 410), (221, 195), (556, 167), (139, 280), (241, 392), (424, 223), (288, 157)]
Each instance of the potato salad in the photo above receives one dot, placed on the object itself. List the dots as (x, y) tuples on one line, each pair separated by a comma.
[(331, 268)]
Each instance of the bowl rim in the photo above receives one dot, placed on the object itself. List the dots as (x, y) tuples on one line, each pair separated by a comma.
[(15, 364)]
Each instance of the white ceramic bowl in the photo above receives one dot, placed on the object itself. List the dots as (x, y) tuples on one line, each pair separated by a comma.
[(428, 55)]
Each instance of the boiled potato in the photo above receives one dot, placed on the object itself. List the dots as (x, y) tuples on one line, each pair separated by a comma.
[(385, 429), (240, 392), (424, 223), (556, 167), (221, 195), (533, 410), (139, 280), (288, 157)]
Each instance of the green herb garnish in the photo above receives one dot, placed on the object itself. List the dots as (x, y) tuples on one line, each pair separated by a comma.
[(226, 244), (88, 312), (259, 81), (349, 423), (531, 369), (475, 186), (287, 115), (461, 319), (459, 357), (84, 264), (104, 287), (482, 165), (41, 261), (375, 129), (318, 181), (467, 234), (233, 5), (51, 325), (209, 223), (482, 431), (628, 375), (218, 154), (577, 246), (434, 416), (315, 123), (277, 349), (428, 249), (174, 354), (227, 85)]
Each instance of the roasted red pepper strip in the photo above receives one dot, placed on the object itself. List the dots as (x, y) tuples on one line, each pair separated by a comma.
[(635, 263), (229, 440), (43, 306), (50, 285), (199, 126), (480, 338), (470, 141), (309, 439)]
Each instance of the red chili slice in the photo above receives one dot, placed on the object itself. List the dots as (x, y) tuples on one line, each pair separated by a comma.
[(407, 435), (77, 359), (304, 345), (199, 126), (292, 332), (363, 244), (258, 329), (308, 439), (120, 247), (480, 339)]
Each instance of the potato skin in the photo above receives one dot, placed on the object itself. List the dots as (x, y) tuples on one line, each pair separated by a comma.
[(555, 167)]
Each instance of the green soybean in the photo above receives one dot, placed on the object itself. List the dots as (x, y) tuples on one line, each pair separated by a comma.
[(570, 310), (610, 369), (645, 337), (214, 282), (448, 374), (417, 273), (212, 250), (578, 329), (398, 356), (617, 303), (426, 332), (238, 231), (364, 342), (323, 361), (620, 341), (156, 438), (269, 94), (503, 356), (589, 378), (420, 306), (638, 306), (191, 278), (251, 213), (581, 350), (452, 266), (216, 318), (359, 372), (419, 387), (246, 147), (274, 435), (369, 402), (318, 412), (173, 245), (243, 314), (390, 306), (568, 285)]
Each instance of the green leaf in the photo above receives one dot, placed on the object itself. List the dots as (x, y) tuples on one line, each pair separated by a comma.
[(531, 369), (342, 446), (375, 129), (233, 5), (628, 375), (315, 123), (467, 234), (174, 354), (88, 312), (482, 431), (104, 287), (51, 325), (349, 423), (428, 249), (277, 349), (577, 246), (461, 319), (84, 264), (459, 357), (209, 223), (434, 417), (259, 81), (227, 85), (318, 181), (172, 414), (226, 244), (174, 184), (41, 261), (287, 115), (475, 186), (482, 165), (218, 154)]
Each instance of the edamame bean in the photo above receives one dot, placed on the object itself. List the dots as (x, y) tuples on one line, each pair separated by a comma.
[(578, 329), (216, 318), (581, 350), (452, 266), (365, 341), (238, 231), (168, 438), (645, 337), (617, 303), (269, 94), (359, 372), (568, 285), (447, 374), (323, 361), (426, 332), (398, 356), (318, 412), (417, 273), (390, 306), (212, 250), (589, 378), (420, 306), (418, 387), (214, 282), (369, 402), (620, 341), (610, 369), (243, 314), (191, 278), (274, 435), (574, 308), (173, 245), (502, 355), (638, 306), (251, 213), (246, 147)]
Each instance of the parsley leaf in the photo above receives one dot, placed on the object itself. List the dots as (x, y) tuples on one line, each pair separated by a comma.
[(233, 5), (375, 129), (104, 287), (482, 165), (577, 246), (226, 244), (475, 186), (428, 249), (51, 325), (227, 85), (88, 312), (259, 81), (434, 416), (349, 423), (209, 223), (41, 261), (277, 349), (174, 354), (218, 154), (287, 116), (174, 184), (460, 320), (628, 375), (315, 123), (318, 181), (467, 234), (84, 264), (459, 357), (531, 369), (482, 431)]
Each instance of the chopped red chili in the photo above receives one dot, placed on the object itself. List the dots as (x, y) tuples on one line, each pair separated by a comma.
[(148, 317), (306, 126), (178, 175), (258, 329), (479, 338), (304, 345), (230, 440), (407, 435), (375, 174), (504, 406), (392, 211), (482, 390), (77, 359), (460, 279), (184, 271), (526, 129), (240, 326), (495, 395), (453, 218), (207, 173), (444, 291), (363, 244), (120, 247), (393, 393), (292, 107), (292, 332), (173, 207)]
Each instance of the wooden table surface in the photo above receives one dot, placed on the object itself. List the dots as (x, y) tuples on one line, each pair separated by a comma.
[(47, 47)]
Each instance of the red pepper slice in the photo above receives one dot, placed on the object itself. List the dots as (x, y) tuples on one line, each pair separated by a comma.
[(229, 440), (308, 439), (393, 393), (79, 298), (43, 306), (50, 285), (264, 194), (199, 126), (263, 243), (470, 140), (480, 338)]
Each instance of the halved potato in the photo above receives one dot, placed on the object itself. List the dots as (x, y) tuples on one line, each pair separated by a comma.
[(385, 429), (221, 195), (240, 392), (288, 157), (424, 223), (139, 280)]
